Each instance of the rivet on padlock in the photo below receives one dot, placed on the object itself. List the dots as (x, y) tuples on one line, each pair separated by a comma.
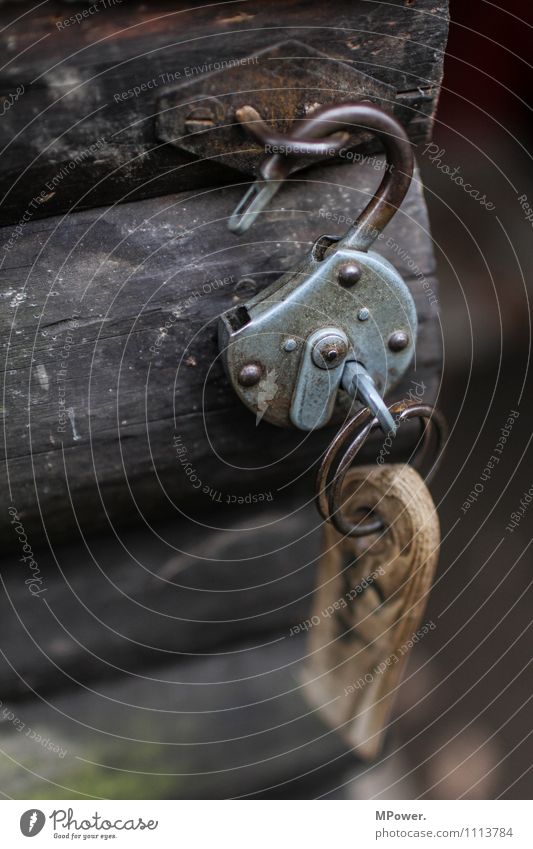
[(342, 325)]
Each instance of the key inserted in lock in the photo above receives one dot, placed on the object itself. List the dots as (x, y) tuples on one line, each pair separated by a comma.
[(342, 325), (327, 365)]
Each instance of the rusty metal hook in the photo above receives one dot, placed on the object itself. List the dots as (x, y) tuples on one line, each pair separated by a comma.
[(312, 137)]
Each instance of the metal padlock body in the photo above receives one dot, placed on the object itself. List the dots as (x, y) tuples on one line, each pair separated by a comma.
[(263, 342)]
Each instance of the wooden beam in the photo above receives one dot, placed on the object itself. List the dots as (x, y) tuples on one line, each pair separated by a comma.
[(72, 136), (111, 353)]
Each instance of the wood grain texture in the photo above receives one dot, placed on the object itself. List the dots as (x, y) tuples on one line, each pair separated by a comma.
[(159, 663), (226, 725), (110, 349), (73, 79), (370, 598), (118, 605)]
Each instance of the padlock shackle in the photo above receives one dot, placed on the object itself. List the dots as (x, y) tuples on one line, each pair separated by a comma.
[(311, 137)]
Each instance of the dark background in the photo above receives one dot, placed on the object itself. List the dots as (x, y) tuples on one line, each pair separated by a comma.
[(478, 720)]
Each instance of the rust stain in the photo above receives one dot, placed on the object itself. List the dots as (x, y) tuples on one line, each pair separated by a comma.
[(240, 18)]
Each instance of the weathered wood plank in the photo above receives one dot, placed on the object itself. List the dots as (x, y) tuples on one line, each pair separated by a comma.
[(211, 727), (111, 354), (165, 652), (120, 606), (72, 136)]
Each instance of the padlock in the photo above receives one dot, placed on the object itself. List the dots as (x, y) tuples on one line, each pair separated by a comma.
[(338, 331)]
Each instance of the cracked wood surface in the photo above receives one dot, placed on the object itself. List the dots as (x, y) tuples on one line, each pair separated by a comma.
[(66, 99), (111, 357)]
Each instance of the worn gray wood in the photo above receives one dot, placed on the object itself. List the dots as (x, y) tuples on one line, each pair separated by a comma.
[(113, 606), (109, 336), (67, 123), (213, 727)]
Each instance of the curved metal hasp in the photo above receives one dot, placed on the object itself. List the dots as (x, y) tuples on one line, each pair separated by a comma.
[(313, 137)]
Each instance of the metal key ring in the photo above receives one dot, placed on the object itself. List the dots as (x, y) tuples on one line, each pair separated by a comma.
[(355, 432)]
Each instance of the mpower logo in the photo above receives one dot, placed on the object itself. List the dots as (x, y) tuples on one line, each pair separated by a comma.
[(31, 822)]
